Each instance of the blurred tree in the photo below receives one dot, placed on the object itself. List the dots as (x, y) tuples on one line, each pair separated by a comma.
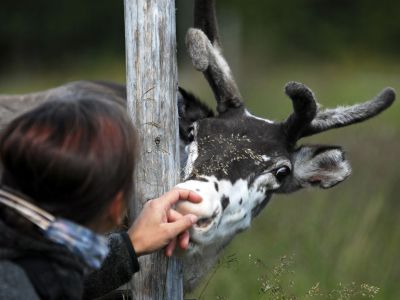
[(49, 30), (321, 28), (46, 31)]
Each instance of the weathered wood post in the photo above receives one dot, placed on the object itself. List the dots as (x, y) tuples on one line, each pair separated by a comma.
[(152, 86)]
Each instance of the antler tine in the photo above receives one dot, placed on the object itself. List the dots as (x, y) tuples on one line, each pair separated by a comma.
[(204, 49), (205, 18), (304, 107), (344, 116)]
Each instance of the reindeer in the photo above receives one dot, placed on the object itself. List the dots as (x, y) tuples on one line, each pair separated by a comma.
[(234, 160)]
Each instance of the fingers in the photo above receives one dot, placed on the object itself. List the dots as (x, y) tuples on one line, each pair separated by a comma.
[(160, 226), (183, 240), (176, 194), (173, 215), (169, 250), (180, 225)]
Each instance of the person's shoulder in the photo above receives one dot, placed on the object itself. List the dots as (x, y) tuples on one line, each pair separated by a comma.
[(15, 284)]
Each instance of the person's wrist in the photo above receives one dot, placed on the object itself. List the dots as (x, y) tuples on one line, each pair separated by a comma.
[(136, 242), (131, 251)]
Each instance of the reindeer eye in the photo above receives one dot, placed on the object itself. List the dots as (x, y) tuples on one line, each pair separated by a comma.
[(281, 173)]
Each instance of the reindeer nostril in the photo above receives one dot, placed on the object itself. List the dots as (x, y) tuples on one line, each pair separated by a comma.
[(204, 222)]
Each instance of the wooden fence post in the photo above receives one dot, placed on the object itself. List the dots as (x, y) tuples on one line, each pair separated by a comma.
[(152, 92)]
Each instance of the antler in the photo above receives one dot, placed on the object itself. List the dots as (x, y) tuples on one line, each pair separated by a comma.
[(205, 51), (304, 107), (344, 116), (307, 120)]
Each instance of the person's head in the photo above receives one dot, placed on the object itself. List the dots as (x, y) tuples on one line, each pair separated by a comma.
[(74, 159)]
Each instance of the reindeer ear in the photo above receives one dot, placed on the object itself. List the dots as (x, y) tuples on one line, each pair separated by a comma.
[(323, 166), (190, 110)]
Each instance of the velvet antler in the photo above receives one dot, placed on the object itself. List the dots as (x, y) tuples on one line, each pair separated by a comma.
[(205, 51), (343, 116), (307, 119), (304, 109)]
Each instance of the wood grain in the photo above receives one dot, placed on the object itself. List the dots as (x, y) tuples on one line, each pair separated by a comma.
[(152, 87)]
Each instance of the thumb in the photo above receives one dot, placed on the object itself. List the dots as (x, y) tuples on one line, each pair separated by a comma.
[(181, 224)]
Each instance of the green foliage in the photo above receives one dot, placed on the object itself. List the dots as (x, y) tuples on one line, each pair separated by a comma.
[(47, 32), (320, 28), (276, 282), (272, 282), (226, 262)]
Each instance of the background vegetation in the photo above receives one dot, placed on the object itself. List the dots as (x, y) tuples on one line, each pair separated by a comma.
[(346, 51)]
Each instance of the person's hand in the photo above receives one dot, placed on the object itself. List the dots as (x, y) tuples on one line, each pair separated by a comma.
[(158, 225)]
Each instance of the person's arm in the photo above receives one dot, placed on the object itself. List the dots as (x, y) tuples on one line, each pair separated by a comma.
[(117, 269), (157, 226)]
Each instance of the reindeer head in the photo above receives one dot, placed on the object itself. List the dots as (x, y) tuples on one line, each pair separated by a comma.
[(235, 160)]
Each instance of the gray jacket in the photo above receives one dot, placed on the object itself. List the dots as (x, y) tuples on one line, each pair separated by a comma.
[(33, 268)]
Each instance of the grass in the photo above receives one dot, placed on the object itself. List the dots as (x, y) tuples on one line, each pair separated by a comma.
[(276, 281), (347, 234)]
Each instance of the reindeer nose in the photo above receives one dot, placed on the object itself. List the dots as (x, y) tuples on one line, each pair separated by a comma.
[(206, 211), (204, 222)]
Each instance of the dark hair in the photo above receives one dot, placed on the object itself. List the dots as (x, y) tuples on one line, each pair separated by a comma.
[(70, 157)]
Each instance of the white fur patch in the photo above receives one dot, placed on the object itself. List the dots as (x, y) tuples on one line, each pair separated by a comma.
[(248, 114), (225, 223), (265, 158), (192, 153)]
